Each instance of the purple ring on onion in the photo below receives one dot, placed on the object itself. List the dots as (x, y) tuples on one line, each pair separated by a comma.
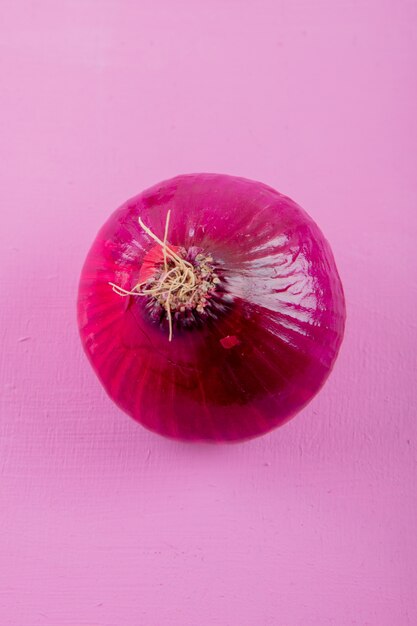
[(210, 308)]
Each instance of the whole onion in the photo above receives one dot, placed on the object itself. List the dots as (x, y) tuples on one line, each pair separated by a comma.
[(218, 315)]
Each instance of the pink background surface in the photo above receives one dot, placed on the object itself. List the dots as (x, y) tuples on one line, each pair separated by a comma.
[(103, 523)]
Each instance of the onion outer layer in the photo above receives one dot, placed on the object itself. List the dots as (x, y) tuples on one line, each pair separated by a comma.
[(252, 365)]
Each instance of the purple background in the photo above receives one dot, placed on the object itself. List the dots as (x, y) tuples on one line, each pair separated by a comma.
[(103, 523)]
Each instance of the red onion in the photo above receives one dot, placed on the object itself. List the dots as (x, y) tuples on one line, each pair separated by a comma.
[(218, 324)]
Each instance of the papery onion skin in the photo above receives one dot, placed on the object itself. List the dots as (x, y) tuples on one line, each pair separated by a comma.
[(258, 363)]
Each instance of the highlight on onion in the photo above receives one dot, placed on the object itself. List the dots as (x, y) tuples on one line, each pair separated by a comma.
[(210, 308)]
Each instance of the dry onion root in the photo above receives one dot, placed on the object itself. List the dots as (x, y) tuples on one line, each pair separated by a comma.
[(178, 285)]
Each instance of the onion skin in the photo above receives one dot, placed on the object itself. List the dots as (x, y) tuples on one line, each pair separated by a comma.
[(256, 365)]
